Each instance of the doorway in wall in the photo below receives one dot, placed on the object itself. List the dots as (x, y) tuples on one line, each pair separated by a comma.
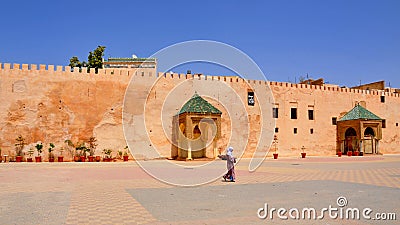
[(350, 141), (369, 143)]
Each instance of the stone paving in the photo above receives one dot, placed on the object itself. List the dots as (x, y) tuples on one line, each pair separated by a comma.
[(122, 193)]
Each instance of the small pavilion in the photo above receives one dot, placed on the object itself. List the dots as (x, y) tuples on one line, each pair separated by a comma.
[(196, 130), (359, 131)]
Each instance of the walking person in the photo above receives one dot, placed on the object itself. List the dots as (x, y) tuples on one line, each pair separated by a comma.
[(230, 164)]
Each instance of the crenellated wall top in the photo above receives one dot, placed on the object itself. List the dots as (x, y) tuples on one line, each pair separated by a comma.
[(15, 69)]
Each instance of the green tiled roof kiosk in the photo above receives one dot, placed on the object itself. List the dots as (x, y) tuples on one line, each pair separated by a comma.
[(359, 132), (196, 130)]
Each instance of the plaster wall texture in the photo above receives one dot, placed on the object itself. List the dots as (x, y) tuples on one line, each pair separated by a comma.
[(52, 104)]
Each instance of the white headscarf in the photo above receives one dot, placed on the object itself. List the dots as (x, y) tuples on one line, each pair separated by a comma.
[(229, 151)]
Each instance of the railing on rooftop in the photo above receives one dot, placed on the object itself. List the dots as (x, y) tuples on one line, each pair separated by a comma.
[(131, 60)]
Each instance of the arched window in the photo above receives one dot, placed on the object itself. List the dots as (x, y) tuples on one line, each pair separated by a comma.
[(369, 132), (196, 132), (350, 132)]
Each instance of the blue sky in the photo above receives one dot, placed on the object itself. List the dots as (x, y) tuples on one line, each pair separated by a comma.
[(341, 41)]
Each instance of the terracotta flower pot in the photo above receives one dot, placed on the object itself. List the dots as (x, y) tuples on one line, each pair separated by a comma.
[(275, 155), (60, 159), (76, 158), (356, 153), (18, 159), (303, 155), (339, 154), (38, 159), (349, 153), (91, 158), (107, 160), (126, 157), (98, 158), (83, 158), (51, 159)]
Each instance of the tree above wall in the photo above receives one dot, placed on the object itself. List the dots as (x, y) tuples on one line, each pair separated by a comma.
[(95, 60)]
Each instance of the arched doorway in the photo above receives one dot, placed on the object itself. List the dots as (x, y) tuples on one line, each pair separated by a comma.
[(198, 145), (369, 141), (350, 141)]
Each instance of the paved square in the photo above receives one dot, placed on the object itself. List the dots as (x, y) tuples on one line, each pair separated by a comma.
[(122, 193)]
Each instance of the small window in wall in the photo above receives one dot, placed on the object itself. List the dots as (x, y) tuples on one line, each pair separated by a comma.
[(311, 114), (293, 113), (275, 112), (311, 131), (397, 124), (382, 99), (276, 129), (250, 98), (295, 130), (334, 120), (383, 123)]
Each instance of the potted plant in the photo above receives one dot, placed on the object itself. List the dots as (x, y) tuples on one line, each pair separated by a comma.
[(356, 152), (107, 157), (77, 151), (30, 153), (303, 154), (39, 148), (126, 156), (19, 146), (91, 157), (77, 157), (339, 153), (51, 155), (275, 141), (120, 154), (82, 149), (350, 150), (61, 157), (92, 148)]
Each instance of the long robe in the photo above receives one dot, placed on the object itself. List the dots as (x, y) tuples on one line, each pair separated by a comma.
[(230, 165)]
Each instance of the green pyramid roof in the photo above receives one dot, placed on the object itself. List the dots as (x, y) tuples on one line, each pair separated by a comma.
[(359, 112), (197, 104)]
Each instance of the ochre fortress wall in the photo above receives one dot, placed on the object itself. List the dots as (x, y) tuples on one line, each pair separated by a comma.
[(52, 104)]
